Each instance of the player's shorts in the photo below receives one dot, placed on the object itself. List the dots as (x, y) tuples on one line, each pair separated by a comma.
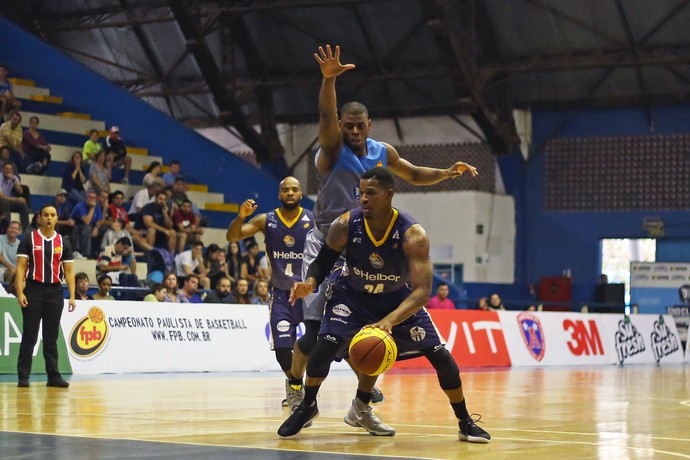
[(284, 319), (315, 303), (347, 311)]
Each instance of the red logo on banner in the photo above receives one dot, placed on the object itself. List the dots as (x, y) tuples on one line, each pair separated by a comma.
[(584, 340), (532, 334), (474, 338)]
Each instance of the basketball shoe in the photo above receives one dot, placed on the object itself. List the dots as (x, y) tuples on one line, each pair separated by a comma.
[(377, 396), (470, 432), (293, 395), (300, 418), (360, 415)]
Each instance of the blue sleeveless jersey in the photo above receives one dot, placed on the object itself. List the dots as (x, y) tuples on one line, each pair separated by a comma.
[(377, 267), (339, 189), (285, 246)]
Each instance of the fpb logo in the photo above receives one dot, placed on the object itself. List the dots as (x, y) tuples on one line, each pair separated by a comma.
[(532, 335), (89, 334)]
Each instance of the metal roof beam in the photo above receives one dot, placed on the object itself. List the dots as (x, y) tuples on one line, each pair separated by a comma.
[(229, 108)]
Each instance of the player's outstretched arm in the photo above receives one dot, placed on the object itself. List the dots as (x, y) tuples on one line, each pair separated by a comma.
[(330, 137), (422, 175), (238, 229), (416, 246)]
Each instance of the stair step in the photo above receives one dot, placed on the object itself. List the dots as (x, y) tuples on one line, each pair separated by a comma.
[(46, 98), (80, 116), (224, 207), (197, 188), (137, 150), (20, 81)]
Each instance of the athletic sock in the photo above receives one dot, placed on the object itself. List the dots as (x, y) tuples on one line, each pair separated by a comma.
[(460, 410), (310, 394), (364, 396), (296, 384)]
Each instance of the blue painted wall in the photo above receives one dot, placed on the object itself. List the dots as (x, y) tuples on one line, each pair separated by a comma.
[(549, 242), (140, 124)]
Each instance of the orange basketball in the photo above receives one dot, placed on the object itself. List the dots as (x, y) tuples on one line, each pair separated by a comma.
[(95, 314), (372, 351)]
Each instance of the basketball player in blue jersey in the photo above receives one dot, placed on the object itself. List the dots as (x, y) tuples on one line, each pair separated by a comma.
[(345, 152), (285, 229), (388, 284)]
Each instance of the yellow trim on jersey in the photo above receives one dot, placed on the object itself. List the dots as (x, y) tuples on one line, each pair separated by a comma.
[(385, 235), (292, 222)]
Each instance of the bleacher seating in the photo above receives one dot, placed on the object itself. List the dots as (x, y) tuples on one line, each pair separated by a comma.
[(66, 129)]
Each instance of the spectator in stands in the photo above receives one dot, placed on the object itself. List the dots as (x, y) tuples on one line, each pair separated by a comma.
[(260, 293), (13, 195), (152, 173), (156, 226), (92, 147), (116, 210), (116, 150), (250, 266), (114, 233), (441, 301), (190, 289), (8, 251), (88, 219), (264, 269), (173, 172), (191, 262), (234, 260), (495, 302), (222, 293), (99, 174), (187, 225), (215, 264), (483, 304), (65, 223), (8, 103), (11, 136), (174, 295), (145, 196), (36, 147), (105, 284), (81, 280), (157, 294), (116, 260), (4, 155), (73, 179), (241, 292)]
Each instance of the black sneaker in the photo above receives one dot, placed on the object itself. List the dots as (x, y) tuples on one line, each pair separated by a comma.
[(299, 418), (377, 396), (470, 432), (58, 383), (23, 384)]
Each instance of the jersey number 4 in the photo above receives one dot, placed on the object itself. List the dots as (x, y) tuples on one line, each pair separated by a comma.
[(288, 270)]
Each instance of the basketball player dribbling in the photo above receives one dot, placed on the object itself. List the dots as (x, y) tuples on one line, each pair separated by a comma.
[(388, 284)]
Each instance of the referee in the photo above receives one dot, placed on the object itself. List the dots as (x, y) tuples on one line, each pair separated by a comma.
[(44, 259)]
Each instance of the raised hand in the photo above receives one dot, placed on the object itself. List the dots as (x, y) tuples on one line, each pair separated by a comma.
[(330, 63), (247, 208), (459, 168)]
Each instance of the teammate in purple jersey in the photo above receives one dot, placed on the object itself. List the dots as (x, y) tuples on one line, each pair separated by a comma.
[(345, 152), (388, 284), (285, 229)]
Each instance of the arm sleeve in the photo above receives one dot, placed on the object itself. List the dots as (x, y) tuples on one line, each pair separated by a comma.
[(23, 249), (323, 264), (66, 251)]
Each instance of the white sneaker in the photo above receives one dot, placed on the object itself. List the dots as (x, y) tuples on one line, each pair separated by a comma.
[(77, 256), (360, 415)]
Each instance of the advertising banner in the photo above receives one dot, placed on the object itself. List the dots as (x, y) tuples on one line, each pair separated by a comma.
[(662, 288), (11, 336), (474, 338)]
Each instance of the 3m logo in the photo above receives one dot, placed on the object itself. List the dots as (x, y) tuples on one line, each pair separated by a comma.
[(584, 340)]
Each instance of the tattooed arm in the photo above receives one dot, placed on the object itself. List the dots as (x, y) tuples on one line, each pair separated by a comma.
[(416, 247)]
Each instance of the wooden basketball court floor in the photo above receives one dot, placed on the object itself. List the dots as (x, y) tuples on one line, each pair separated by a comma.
[(605, 412)]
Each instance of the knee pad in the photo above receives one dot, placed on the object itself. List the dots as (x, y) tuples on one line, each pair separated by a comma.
[(446, 368), (311, 334), (322, 356), (284, 358)]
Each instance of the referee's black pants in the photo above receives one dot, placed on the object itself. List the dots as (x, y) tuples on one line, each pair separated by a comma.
[(45, 304)]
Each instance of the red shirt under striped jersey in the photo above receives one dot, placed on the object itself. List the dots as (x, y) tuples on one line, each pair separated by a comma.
[(46, 256)]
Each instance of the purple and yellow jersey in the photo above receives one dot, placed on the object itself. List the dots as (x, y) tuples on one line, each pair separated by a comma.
[(339, 189), (285, 246), (377, 267)]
